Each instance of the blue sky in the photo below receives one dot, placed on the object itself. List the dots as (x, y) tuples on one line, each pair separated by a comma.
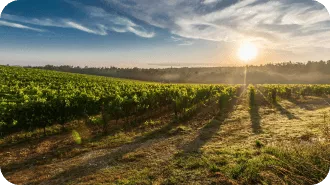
[(148, 33)]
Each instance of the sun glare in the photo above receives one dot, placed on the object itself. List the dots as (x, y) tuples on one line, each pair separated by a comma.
[(247, 51)]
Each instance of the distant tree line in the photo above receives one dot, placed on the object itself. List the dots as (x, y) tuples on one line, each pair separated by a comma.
[(312, 72)]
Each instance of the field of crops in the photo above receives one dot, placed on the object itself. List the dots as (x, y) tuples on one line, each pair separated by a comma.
[(32, 98), (194, 129)]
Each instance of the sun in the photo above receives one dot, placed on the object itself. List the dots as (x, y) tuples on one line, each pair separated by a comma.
[(247, 51)]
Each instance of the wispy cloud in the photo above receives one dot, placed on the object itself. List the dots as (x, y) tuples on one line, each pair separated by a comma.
[(211, 1), (267, 22), (182, 41), (34, 21), (61, 23), (19, 26), (273, 24), (140, 32), (285, 24), (83, 28), (113, 21)]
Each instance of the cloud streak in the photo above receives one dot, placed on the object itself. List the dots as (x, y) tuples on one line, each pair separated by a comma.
[(83, 28), (182, 41), (19, 26), (60, 23), (112, 21)]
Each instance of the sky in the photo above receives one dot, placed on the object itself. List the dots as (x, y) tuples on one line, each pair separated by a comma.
[(162, 33)]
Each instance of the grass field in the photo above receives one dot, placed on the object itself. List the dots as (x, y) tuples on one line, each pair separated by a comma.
[(286, 143)]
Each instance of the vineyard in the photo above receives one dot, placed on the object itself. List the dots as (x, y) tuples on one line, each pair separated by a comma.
[(34, 99)]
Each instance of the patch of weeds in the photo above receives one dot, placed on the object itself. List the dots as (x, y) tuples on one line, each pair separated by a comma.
[(237, 171), (123, 182), (191, 162), (151, 123), (309, 162), (220, 151), (185, 167), (242, 155), (221, 161), (133, 156), (214, 168), (218, 157), (113, 141), (220, 178), (259, 144), (176, 177), (120, 138), (248, 171), (136, 177)]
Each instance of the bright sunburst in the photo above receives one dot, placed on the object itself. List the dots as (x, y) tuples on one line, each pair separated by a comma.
[(247, 51)]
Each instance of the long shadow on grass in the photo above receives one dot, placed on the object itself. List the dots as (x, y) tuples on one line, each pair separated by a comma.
[(41, 159), (211, 128), (191, 150), (110, 159), (285, 112), (57, 152), (113, 157), (70, 150), (54, 153), (309, 105), (255, 118), (300, 104)]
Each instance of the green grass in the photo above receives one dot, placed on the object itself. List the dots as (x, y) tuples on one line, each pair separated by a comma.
[(294, 164), (259, 144)]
